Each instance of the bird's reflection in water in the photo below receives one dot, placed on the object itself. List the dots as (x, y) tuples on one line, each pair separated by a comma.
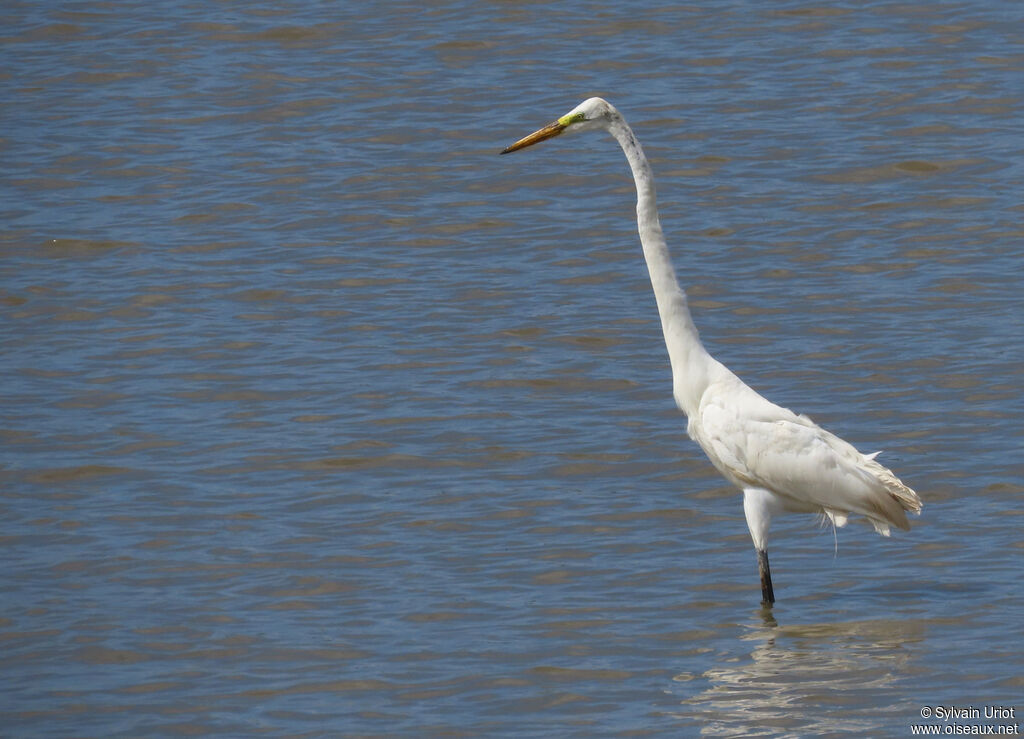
[(809, 679)]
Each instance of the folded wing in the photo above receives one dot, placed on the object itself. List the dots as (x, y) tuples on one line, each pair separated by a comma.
[(755, 443)]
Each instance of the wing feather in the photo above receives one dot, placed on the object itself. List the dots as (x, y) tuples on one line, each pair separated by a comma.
[(755, 443)]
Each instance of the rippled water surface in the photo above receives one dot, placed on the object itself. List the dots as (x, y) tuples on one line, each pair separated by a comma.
[(321, 419)]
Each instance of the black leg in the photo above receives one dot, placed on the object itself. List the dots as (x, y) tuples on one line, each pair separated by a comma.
[(767, 594)]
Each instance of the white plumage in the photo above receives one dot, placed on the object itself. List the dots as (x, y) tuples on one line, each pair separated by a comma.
[(782, 461)]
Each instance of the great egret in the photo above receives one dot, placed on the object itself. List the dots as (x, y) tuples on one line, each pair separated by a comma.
[(783, 462)]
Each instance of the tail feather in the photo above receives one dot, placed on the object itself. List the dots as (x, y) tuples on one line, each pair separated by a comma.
[(894, 501)]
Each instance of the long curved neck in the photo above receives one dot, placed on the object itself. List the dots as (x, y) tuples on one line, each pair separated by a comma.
[(692, 366)]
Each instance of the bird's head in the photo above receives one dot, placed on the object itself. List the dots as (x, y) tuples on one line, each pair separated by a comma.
[(592, 114)]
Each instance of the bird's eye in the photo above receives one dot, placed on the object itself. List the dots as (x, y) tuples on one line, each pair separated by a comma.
[(568, 120)]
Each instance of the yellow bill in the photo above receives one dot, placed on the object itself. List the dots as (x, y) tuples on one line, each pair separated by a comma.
[(549, 131)]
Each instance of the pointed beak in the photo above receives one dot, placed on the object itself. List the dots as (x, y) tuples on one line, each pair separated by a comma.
[(549, 131)]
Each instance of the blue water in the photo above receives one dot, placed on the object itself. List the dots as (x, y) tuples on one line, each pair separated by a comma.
[(321, 419)]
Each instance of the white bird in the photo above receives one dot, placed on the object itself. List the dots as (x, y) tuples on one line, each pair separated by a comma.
[(782, 461)]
